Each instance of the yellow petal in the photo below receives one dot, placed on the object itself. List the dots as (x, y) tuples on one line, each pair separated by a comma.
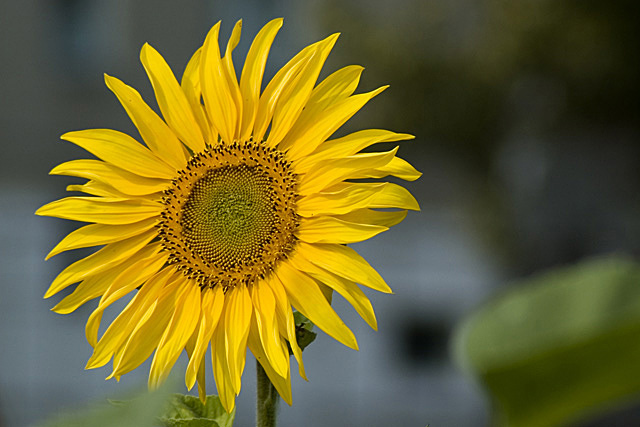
[(394, 196), (252, 74), (147, 332), (264, 304), (237, 321), (230, 74), (304, 140), (348, 289), (330, 172), (91, 288), (326, 229), (347, 146), (151, 261), (332, 90), (286, 322), (221, 366), (345, 262), (147, 266), (95, 188), (99, 234), (326, 290), (104, 259), (88, 289), (171, 99), (398, 167), (192, 89), (122, 326), (120, 179), (101, 210), (369, 216), (281, 383), (218, 100), (287, 76), (337, 86), (183, 322), (349, 197), (154, 131), (122, 151), (307, 298), (212, 303), (201, 370), (294, 96)]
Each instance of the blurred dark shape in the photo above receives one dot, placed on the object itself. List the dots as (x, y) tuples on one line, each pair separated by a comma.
[(423, 341)]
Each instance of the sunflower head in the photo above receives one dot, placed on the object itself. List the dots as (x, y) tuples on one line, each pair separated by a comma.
[(230, 214), (237, 208)]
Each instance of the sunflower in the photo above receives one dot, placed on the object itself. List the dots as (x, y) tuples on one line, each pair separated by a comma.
[(237, 208)]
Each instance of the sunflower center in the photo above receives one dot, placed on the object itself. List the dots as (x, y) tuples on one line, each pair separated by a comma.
[(230, 214)]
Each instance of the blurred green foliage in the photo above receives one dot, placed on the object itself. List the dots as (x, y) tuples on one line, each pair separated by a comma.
[(157, 408), (140, 411), (559, 346), (526, 115), (454, 65)]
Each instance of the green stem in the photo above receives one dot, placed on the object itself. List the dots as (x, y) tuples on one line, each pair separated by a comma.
[(267, 402)]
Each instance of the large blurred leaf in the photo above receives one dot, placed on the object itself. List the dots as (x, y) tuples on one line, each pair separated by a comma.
[(142, 411), (559, 346), (150, 409)]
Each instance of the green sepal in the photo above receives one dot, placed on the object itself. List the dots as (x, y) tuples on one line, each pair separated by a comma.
[(304, 330)]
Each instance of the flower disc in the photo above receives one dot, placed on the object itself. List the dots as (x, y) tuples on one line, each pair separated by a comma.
[(230, 214)]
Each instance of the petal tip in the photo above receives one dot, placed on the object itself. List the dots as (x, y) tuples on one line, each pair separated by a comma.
[(65, 136), (380, 90), (144, 51), (50, 255)]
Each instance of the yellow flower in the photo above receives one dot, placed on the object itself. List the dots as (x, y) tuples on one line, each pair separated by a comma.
[(237, 209)]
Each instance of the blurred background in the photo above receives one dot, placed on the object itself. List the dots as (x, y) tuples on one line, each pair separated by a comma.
[(526, 121)]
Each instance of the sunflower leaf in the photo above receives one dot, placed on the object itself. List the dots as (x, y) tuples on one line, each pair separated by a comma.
[(140, 411), (560, 346), (190, 422), (188, 411)]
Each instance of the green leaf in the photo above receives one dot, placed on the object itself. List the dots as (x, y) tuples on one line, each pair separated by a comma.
[(191, 422), (304, 330), (559, 346), (188, 411), (302, 321)]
